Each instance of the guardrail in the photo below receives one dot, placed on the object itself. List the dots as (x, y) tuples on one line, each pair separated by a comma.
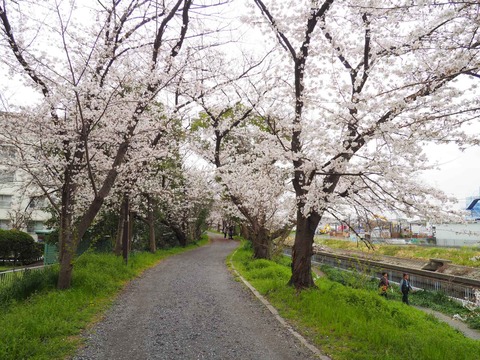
[(9, 276), (455, 286)]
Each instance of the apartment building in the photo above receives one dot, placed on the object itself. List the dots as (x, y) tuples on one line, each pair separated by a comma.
[(19, 207)]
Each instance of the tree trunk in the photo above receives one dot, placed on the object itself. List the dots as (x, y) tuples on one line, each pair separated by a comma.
[(66, 268), (177, 230), (262, 244), (180, 235), (119, 237), (182, 238), (131, 216), (67, 241), (126, 228), (67, 250), (302, 251), (151, 225)]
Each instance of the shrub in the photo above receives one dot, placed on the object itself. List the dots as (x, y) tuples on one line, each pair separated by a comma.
[(5, 245), (19, 247)]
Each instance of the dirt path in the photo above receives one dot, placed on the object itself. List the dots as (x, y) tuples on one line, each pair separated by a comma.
[(190, 307), (456, 324)]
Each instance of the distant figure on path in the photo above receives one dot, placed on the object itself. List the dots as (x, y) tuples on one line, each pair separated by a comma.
[(383, 285), (230, 233), (224, 230), (405, 288)]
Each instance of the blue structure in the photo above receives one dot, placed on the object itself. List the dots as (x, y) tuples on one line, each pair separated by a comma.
[(473, 205)]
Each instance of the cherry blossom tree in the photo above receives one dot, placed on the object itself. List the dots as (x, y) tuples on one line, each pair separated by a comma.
[(231, 134), (175, 198), (362, 86), (241, 144), (97, 79)]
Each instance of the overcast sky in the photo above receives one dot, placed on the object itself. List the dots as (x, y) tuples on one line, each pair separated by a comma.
[(459, 173)]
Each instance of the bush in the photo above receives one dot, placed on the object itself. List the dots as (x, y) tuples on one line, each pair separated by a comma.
[(19, 246), (5, 245)]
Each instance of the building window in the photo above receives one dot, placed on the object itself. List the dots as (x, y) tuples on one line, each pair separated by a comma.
[(34, 226), (5, 201), (7, 176), (4, 224)]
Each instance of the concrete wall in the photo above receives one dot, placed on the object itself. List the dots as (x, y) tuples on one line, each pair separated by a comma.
[(458, 234)]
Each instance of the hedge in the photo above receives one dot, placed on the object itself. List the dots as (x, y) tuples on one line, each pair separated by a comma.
[(19, 247)]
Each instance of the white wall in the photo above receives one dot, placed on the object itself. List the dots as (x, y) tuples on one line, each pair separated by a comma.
[(458, 234)]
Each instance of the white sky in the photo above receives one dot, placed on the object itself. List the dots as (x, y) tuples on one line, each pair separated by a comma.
[(459, 173)]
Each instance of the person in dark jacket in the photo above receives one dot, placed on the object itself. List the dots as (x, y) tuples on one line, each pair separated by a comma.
[(383, 285), (405, 288)]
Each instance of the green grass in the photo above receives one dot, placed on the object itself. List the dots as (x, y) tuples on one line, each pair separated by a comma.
[(48, 323), (434, 300), (354, 323), (22, 284), (460, 256)]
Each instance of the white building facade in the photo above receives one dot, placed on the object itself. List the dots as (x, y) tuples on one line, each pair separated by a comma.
[(19, 208)]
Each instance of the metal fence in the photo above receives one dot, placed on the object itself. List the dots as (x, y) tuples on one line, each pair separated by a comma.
[(10, 276), (454, 286)]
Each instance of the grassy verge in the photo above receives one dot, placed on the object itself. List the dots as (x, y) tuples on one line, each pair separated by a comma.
[(437, 301), (348, 323), (47, 324), (467, 255)]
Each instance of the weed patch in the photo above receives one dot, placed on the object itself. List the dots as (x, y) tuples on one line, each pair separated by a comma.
[(27, 283)]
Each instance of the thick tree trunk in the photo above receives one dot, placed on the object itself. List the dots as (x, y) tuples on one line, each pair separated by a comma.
[(66, 268), (68, 242), (182, 238), (302, 251), (262, 244), (179, 233)]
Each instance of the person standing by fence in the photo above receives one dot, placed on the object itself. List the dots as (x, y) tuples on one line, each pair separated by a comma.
[(383, 285), (405, 288)]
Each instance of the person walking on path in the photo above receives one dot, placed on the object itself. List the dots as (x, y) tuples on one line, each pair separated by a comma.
[(383, 285), (405, 288)]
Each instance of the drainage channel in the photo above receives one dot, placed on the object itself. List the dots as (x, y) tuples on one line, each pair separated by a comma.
[(458, 287)]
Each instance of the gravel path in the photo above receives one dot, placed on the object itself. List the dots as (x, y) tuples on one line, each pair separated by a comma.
[(190, 307)]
